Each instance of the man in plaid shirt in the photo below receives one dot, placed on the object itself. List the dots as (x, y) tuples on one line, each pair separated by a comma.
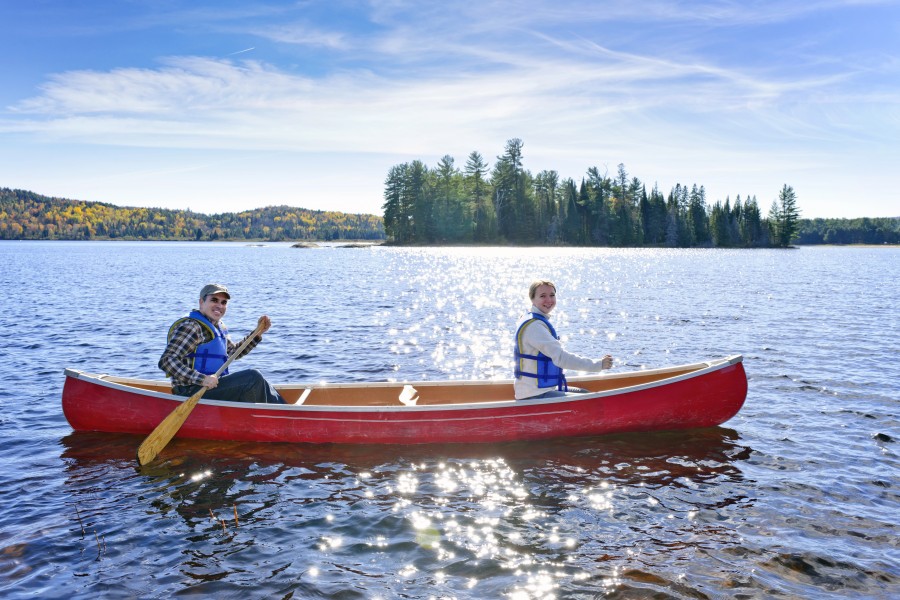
[(199, 344)]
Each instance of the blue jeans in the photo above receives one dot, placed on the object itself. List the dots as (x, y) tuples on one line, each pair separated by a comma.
[(554, 393), (243, 386)]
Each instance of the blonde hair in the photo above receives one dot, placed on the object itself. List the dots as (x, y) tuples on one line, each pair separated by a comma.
[(532, 289)]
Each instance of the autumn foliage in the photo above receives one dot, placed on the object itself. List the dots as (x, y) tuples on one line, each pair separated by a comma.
[(25, 215)]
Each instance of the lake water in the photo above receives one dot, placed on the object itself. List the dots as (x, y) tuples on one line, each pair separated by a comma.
[(798, 496)]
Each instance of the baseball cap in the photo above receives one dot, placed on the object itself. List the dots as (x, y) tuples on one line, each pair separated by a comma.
[(214, 288)]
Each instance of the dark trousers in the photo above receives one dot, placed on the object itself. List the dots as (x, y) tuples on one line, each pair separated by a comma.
[(243, 386)]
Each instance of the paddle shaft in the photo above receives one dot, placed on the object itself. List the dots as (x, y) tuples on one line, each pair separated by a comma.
[(166, 430)]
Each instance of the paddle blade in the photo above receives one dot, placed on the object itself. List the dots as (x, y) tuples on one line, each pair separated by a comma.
[(166, 430)]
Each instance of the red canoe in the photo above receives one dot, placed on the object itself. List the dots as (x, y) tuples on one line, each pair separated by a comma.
[(681, 397)]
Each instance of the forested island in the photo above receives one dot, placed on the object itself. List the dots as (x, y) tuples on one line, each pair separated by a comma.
[(28, 216), (426, 206), (507, 204)]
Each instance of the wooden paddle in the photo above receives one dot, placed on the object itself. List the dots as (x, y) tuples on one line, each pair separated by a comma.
[(166, 430)]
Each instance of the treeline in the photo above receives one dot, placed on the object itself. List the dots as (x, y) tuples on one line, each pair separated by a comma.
[(849, 231), (28, 216), (507, 204)]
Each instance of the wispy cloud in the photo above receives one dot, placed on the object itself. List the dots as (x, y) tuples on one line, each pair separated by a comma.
[(303, 35), (583, 89)]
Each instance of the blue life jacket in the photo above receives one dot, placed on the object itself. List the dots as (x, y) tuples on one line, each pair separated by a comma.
[(548, 374), (209, 356)]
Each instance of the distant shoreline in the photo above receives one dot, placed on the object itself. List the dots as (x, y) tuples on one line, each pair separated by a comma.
[(372, 243)]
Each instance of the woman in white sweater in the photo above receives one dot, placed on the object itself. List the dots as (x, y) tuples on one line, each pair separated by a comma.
[(540, 358)]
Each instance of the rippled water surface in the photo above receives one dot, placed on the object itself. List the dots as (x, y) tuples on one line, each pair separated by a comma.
[(796, 497)]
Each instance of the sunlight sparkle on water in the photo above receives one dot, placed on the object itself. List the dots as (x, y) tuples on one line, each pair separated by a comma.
[(407, 484), (407, 571), (330, 543), (601, 501), (446, 482), (539, 585), (471, 333), (201, 476), (419, 520), (495, 495)]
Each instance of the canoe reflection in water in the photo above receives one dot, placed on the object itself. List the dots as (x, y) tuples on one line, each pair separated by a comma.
[(475, 510), (217, 473)]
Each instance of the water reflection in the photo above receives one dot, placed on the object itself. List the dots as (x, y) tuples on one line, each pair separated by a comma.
[(527, 519)]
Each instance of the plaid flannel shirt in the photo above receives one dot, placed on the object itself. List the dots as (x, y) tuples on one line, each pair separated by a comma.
[(185, 339)]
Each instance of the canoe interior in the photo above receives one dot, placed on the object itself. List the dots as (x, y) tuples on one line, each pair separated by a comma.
[(430, 393)]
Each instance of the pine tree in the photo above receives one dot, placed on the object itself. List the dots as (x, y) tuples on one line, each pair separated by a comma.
[(785, 216), (478, 194), (394, 220)]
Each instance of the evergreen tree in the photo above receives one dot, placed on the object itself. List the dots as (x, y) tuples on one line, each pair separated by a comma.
[(620, 187), (573, 225), (784, 217), (511, 200), (697, 217), (718, 225), (599, 191), (453, 218), (679, 232), (584, 208), (396, 224), (546, 186), (418, 202), (478, 194), (737, 217), (752, 230), (637, 193), (673, 225), (654, 217)]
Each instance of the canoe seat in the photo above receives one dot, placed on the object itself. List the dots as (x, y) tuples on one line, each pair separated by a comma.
[(303, 396)]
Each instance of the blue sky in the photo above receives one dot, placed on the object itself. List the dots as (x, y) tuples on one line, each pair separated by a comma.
[(223, 106)]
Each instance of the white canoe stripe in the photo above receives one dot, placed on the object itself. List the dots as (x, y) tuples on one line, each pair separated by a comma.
[(404, 421)]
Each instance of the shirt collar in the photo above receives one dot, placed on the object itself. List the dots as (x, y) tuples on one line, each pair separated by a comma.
[(535, 309)]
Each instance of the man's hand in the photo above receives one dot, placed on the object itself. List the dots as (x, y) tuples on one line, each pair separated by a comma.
[(264, 323)]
